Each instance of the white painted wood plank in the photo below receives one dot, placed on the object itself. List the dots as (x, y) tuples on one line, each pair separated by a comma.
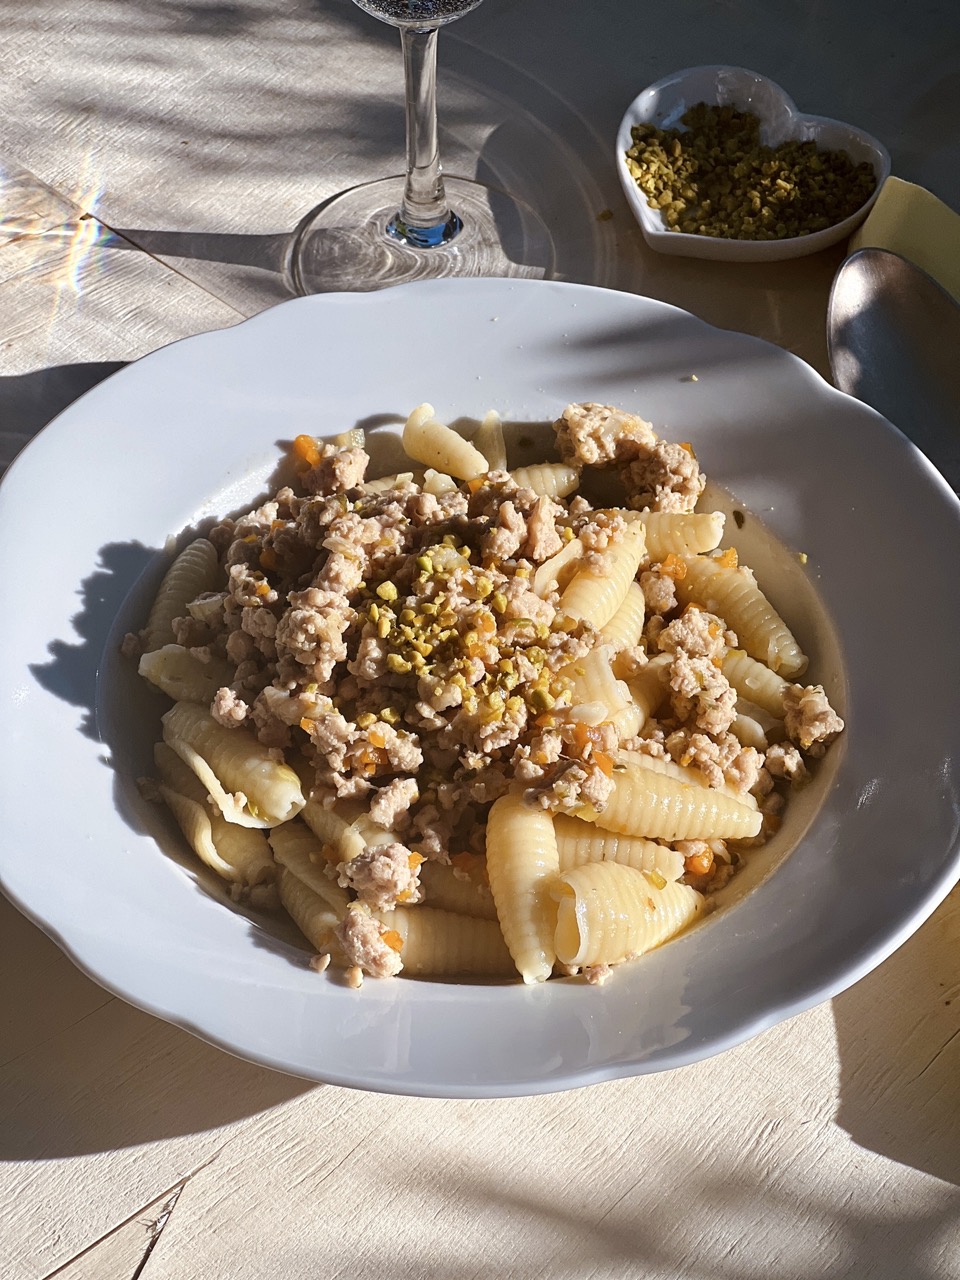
[(359, 1167), (77, 302), (899, 1037), (720, 1170), (97, 1120), (119, 1255)]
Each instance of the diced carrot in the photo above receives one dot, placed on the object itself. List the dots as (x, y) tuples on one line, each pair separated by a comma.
[(584, 733), (729, 559), (466, 862), (305, 448), (475, 485), (392, 939), (605, 763), (268, 558), (674, 567)]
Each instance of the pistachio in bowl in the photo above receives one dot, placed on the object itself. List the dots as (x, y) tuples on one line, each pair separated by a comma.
[(717, 162)]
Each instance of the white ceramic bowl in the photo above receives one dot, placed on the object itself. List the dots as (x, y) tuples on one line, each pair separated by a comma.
[(664, 103), (198, 428)]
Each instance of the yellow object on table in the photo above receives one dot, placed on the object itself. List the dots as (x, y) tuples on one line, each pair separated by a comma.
[(911, 221)]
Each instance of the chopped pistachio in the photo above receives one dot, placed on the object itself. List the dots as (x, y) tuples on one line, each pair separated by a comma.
[(541, 699)]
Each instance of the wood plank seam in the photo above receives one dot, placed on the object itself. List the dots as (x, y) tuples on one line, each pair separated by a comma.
[(156, 1229), (137, 248), (108, 998), (946, 1045), (169, 1196)]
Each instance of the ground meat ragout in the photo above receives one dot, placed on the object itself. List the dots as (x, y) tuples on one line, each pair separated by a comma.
[(410, 652)]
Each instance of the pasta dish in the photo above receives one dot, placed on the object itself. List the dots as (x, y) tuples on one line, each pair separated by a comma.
[(461, 721)]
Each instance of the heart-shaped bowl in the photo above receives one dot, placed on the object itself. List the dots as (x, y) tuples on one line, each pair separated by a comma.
[(665, 102)]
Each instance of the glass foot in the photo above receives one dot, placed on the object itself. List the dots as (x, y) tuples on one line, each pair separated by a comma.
[(356, 242)]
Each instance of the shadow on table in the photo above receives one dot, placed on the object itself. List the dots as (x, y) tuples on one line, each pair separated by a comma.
[(163, 1082), (721, 1218), (898, 1035), (28, 401), (540, 150)]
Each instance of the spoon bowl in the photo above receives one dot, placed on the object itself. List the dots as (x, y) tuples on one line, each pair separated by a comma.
[(893, 336)]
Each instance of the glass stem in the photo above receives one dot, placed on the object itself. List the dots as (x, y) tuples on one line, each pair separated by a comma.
[(424, 220)]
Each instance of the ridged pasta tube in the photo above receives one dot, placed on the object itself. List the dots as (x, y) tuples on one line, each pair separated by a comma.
[(596, 595), (489, 440), (346, 829), (736, 597), (547, 479), (335, 832), (593, 681), (625, 628), (238, 854), (195, 570), (312, 915), (429, 441), (607, 913), (688, 774), (648, 686), (681, 533), (749, 732), (648, 803), (522, 860), (298, 849), (439, 944), (559, 569), (181, 675), (755, 681), (447, 890), (579, 842), (245, 782)]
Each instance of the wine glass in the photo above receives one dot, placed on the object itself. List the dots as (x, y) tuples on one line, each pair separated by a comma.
[(422, 225)]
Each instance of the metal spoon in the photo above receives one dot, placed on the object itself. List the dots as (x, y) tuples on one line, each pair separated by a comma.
[(893, 337)]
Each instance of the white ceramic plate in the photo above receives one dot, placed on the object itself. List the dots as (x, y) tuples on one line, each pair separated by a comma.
[(665, 102), (196, 429)]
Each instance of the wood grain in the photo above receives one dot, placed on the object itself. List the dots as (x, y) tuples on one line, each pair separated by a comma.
[(77, 303)]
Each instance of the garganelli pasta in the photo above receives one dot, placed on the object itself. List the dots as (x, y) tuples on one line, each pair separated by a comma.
[(463, 723)]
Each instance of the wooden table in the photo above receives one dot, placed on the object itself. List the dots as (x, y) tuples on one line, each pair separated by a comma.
[(157, 155)]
